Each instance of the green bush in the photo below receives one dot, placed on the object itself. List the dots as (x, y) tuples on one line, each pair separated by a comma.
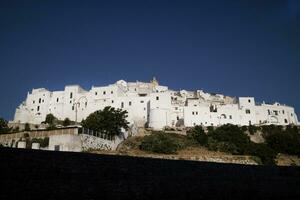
[(266, 154), (286, 142), (160, 142), (197, 133), (214, 145), (232, 136)]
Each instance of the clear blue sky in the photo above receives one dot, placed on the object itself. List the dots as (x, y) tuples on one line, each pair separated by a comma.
[(238, 48)]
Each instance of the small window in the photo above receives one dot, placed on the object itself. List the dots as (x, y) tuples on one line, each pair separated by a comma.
[(249, 100), (144, 108), (157, 98), (40, 100), (292, 114), (247, 111), (57, 99), (142, 101), (104, 92), (43, 100), (38, 108), (230, 116), (176, 108), (269, 112), (33, 102), (177, 118), (196, 113), (112, 101), (96, 93), (71, 95), (72, 107), (111, 92), (275, 112), (282, 111), (285, 121), (129, 103), (193, 113), (70, 101), (122, 104), (85, 104)]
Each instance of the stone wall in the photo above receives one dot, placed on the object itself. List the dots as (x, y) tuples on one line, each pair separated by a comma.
[(92, 142)]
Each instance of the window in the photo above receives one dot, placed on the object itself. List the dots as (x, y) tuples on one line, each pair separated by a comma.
[(275, 112), (71, 101), (177, 118), (230, 116), (111, 92), (40, 100), (85, 104), (282, 111), (104, 92), (38, 108), (72, 107), (33, 102), (112, 101), (129, 103), (157, 98), (292, 114), (57, 99), (285, 121), (269, 112), (122, 104), (96, 93), (144, 108), (193, 113), (196, 113), (176, 108), (247, 111), (71, 95), (142, 101), (249, 100), (250, 123), (43, 100)]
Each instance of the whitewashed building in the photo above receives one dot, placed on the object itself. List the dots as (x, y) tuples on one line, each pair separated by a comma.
[(152, 105)]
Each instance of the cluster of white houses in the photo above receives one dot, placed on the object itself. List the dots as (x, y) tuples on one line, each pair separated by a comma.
[(153, 105)]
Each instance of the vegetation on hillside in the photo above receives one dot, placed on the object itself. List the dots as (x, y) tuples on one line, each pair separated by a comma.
[(230, 139), (4, 129)]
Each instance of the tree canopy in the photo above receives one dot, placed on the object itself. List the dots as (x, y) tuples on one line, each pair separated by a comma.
[(4, 126), (109, 121)]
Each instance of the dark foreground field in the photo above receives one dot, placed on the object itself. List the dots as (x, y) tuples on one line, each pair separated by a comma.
[(29, 174)]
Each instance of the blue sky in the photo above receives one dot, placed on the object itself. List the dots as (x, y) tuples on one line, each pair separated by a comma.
[(238, 48)]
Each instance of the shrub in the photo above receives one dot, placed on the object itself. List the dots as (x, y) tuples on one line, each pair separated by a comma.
[(270, 129), (4, 129), (214, 145), (197, 133), (231, 136), (67, 122), (160, 142), (265, 153), (286, 142)]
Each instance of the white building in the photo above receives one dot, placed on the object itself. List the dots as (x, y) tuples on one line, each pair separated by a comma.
[(152, 104)]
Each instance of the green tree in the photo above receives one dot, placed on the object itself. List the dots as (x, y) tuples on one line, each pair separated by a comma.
[(231, 134), (4, 129), (50, 119), (67, 122), (198, 134), (108, 121)]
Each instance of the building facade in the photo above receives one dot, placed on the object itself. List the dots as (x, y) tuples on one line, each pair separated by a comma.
[(153, 105)]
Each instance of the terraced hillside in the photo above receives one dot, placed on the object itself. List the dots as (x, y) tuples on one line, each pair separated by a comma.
[(33, 174)]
